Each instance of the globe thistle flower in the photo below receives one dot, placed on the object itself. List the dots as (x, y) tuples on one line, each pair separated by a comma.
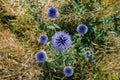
[(82, 29), (39, 19), (43, 38), (41, 56), (52, 12), (88, 54), (68, 71), (61, 40)]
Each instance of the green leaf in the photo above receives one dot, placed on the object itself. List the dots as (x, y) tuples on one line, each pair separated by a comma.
[(40, 0), (32, 6), (56, 26), (51, 27)]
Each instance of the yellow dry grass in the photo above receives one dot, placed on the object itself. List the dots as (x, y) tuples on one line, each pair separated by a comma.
[(16, 60), (12, 6), (17, 57)]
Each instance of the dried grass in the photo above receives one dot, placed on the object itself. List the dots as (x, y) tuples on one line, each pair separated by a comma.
[(17, 57), (16, 61)]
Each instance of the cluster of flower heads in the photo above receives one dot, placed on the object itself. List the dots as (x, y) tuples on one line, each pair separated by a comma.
[(60, 41), (88, 54)]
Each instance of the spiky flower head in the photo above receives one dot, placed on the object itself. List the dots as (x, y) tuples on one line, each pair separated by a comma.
[(41, 56), (68, 71), (43, 38), (82, 29), (88, 54), (61, 40), (52, 12)]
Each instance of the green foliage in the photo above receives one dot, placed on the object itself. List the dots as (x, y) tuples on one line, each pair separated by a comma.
[(73, 13), (67, 8), (116, 20), (53, 68)]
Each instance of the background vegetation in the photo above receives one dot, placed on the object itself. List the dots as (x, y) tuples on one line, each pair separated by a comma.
[(20, 29)]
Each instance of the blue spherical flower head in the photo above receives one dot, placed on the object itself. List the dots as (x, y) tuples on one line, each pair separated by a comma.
[(68, 71), (88, 54), (43, 38), (82, 29), (41, 56), (52, 12), (61, 40)]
